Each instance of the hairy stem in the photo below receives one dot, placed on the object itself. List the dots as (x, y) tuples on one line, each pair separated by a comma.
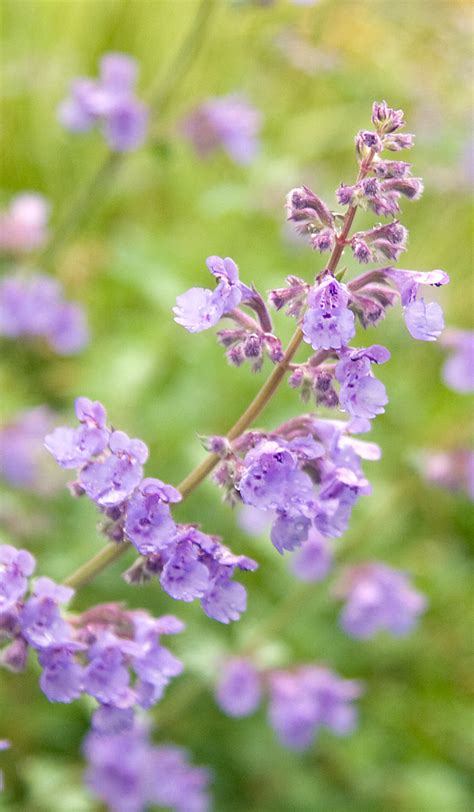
[(112, 551)]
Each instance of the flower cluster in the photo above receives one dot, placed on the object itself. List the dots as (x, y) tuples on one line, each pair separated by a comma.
[(109, 101), (23, 226), (34, 307), (23, 462), (189, 563), (95, 653), (229, 122), (301, 701), (128, 772), (200, 308), (378, 597), (458, 370), (307, 475)]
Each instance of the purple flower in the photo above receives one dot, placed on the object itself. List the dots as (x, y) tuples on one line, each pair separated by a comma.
[(199, 308), (184, 577), (238, 691), (149, 524), (23, 226), (23, 462), (458, 370), (40, 618), (303, 701), (71, 448), (228, 122), (328, 323), (385, 118), (379, 597), (361, 394), (453, 470), (148, 775), (314, 559), (111, 481), (33, 306), (109, 101), (271, 478), (15, 568), (425, 321), (62, 677), (106, 677), (289, 530), (225, 600)]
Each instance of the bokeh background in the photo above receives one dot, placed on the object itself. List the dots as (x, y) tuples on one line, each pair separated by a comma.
[(313, 71)]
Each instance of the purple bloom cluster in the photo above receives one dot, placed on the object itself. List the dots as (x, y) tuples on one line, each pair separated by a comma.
[(23, 462), (301, 701), (458, 370), (190, 564), (307, 474), (378, 597), (109, 101), (33, 306), (23, 226), (128, 772), (229, 122), (95, 653), (199, 309)]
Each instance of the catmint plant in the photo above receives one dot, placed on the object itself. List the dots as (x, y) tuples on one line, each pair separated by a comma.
[(304, 476), (229, 122)]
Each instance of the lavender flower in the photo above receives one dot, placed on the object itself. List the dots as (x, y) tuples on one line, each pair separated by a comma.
[(458, 370), (379, 597), (148, 775), (328, 323), (23, 462), (33, 307), (109, 101), (238, 691), (307, 699), (362, 395), (15, 567), (452, 470), (313, 561), (199, 308), (229, 122), (23, 226)]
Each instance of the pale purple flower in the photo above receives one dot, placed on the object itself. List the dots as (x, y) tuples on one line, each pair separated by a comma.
[(361, 394), (385, 118), (379, 597), (62, 677), (458, 369), (303, 701), (23, 462), (23, 226), (111, 481), (238, 691), (184, 577), (289, 530), (147, 775), (109, 101), (106, 677), (424, 320), (71, 448), (199, 308), (149, 524), (33, 307), (271, 478), (453, 470), (313, 561), (40, 618), (328, 323), (229, 122), (15, 568)]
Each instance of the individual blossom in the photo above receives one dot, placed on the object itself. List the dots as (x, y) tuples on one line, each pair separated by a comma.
[(72, 448), (307, 699), (23, 225), (199, 308), (109, 101), (33, 307), (361, 394), (111, 480), (378, 597), (23, 462), (149, 524), (458, 369), (328, 323), (42, 624), (227, 122), (239, 690), (15, 568), (148, 774)]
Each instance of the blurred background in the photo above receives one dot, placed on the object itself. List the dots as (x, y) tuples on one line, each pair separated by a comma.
[(313, 70)]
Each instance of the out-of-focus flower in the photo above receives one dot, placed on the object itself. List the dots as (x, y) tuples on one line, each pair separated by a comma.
[(229, 122), (23, 462), (23, 225), (33, 307), (109, 101), (378, 597), (238, 691), (458, 370), (453, 470)]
